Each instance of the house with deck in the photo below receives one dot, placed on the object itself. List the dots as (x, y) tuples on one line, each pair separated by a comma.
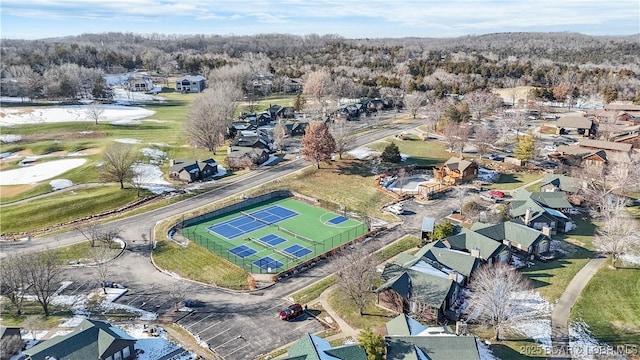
[(190, 170), (456, 171), (191, 84)]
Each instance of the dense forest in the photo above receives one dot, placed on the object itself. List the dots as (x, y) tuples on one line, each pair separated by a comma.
[(581, 65)]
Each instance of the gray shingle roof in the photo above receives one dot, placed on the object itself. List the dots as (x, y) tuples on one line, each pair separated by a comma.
[(574, 121), (562, 182), (431, 348), (311, 347), (456, 163)]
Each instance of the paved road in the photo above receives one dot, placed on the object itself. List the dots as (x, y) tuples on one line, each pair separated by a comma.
[(562, 310), (136, 227)]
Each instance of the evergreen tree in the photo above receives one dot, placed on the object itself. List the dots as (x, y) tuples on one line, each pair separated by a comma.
[(391, 153), (372, 343), (524, 150)]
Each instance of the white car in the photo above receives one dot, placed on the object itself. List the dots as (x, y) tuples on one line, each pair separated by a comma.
[(550, 148), (395, 209)]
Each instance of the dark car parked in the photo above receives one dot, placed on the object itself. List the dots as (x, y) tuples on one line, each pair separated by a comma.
[(291, 312)]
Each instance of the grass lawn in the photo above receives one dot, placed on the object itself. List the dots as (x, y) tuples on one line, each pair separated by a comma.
[(425, 153), (552, 278), (29, 309), (610, 305), (374, 317), (64, 207), (81, 252), (197, 263), (511, 349), (514, 181)]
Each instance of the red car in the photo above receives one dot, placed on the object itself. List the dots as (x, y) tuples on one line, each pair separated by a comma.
[(291, 312), (496, 193)]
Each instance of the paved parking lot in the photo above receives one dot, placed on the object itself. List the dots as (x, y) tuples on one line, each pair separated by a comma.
[(437, 208), (239, 332)]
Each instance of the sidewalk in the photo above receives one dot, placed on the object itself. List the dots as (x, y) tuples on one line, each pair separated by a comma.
[(345, 329)]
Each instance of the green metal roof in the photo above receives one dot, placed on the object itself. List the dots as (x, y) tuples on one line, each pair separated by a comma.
[(404, 325), (467, 240), (511, 231), (562, 182), (92, 339), (311, 347), (554, 200), (431, 347)]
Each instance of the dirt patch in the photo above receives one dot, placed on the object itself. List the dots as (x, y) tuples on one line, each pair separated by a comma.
[(10, 191), (519, 92), (625, 327), (91, 151)]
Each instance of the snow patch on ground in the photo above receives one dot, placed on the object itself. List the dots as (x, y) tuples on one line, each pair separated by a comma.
[(362, 152), (155, 154), (128, 141), (559, 246), (70, 113), (151, 178), (14, 99), (585, 347), (39, 172), (58, 184), (484, 351), (538, 326), (630, 259), (9, 138)]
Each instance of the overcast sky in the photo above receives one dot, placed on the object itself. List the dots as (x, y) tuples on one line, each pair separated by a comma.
[(33, 19)]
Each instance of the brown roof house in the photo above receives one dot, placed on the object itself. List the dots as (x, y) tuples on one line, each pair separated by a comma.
[(581, 124), (420, 288), (456, 171), (92, 339), (192, 170), (239, 157)]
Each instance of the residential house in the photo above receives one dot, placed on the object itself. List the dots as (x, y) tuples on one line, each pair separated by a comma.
[(428, 224), (478, 245), (516, 235), (373, 105), (407, 339), (92, 339), (555, 183), (295, 128), (581, 124), (143, 83), (456, 171), (312, 347), (235, 155), (419, 288), (445, 259), (542, 210), (591, 160), (191, 84), (293, 86), (238, 126), (616, 151), (192, 170), (253, 139)]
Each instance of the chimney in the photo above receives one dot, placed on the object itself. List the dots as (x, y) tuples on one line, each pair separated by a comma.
[(546, 230), (527, 217), (172, 162), (461, 328), (475, 252), (453, 276)]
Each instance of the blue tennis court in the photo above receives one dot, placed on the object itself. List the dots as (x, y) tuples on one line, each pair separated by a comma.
[(268, 264), (272, 239), (338, 220), (243, 251), (297, 250), (245, 224)]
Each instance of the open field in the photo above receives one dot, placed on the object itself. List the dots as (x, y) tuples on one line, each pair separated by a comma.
[(610, 305), (286, 233), (514, 181), (424, 153)]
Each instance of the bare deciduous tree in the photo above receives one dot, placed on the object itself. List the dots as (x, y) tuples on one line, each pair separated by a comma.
[(117, 161), (44, 272), (318, 85), (343, 136), (492, 301), (279, 136), (618, 236), (482, 101), (95, 111), (101, 269), (97, 235), (140, 176), (210, 116), (317, 144), (177, 292), (461, 137), (485, 139), (415, 102), (14, 280), (356, 272)]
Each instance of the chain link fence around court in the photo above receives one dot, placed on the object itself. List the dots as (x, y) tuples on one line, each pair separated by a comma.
[(318, 247)]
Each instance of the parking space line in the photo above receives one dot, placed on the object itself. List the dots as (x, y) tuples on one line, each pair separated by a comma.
[(277, 306), (132, 300), (189, 326), (301, 326), (220, 333), (210, 326), (226, 342), (240, 348)]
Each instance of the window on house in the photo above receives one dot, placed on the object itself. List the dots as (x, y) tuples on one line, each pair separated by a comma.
[(126, 352)]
